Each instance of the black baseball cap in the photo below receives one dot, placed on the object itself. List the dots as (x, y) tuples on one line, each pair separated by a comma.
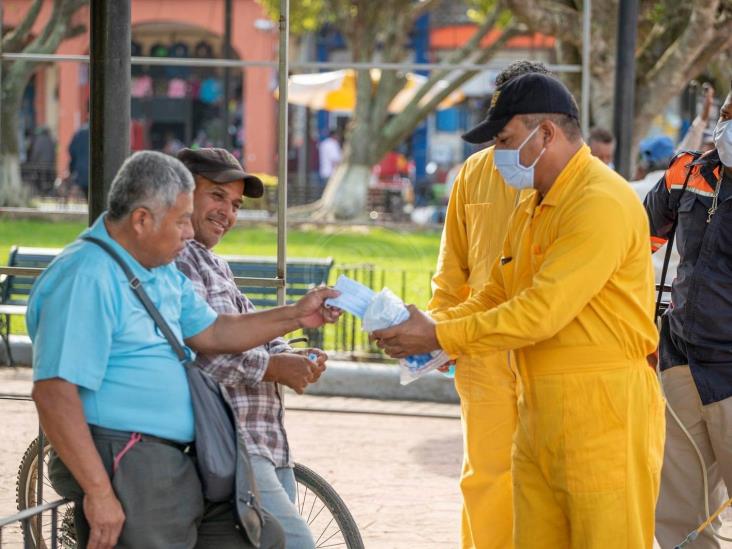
[(220, 166), (531, 93)]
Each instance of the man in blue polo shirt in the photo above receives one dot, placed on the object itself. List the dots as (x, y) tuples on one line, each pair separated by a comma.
[(112, 397)]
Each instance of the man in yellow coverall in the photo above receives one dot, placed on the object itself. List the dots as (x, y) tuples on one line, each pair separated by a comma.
[(475, 227), (572, 294)]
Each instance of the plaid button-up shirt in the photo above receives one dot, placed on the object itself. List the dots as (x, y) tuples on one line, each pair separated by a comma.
[(258, 403)]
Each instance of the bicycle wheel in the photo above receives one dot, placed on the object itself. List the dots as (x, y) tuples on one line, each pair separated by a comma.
[(319, 504), (329, 519), (26, 493)]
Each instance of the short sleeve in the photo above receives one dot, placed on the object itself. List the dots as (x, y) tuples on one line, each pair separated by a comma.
[(72, 330), (196, 314)]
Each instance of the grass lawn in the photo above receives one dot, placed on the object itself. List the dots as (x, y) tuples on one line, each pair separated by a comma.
[(404, 260)]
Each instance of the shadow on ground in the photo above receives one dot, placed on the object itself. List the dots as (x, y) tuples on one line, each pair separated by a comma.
[(440, 456)]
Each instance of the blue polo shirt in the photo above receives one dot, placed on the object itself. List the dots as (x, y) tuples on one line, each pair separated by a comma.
[(90, 329)]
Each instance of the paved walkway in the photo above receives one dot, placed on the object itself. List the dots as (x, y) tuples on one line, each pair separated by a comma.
[(397, 474), (395, 463)]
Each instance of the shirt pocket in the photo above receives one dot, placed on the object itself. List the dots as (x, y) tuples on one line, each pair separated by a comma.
[(483, 242), (692, 214)]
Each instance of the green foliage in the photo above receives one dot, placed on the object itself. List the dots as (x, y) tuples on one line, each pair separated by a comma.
[(305, 15), (479, 10), (387, 248)]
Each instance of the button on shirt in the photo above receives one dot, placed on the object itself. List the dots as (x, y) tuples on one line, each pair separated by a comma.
[(258, 404), (90, 329)]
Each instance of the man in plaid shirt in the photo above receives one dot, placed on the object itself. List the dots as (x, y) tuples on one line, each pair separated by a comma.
[(253, 378)]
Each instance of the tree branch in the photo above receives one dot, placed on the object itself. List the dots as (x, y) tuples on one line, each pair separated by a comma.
[(58, 27), (549, 17), (401, 125), (14, 40), (698, 43), (468, 49)]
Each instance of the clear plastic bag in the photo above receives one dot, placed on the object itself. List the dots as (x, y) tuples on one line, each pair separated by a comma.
[(386, 310)]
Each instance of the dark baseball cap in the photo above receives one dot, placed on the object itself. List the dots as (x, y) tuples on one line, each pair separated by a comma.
[(531, 93), (220, 166)]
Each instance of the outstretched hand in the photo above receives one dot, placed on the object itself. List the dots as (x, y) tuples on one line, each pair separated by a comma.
[(311, 311), (414, 336)]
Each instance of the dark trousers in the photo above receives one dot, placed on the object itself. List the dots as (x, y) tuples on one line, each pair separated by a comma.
[(160, 492)]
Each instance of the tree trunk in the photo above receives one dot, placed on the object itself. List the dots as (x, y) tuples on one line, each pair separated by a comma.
[(12, 192), (346, 193)]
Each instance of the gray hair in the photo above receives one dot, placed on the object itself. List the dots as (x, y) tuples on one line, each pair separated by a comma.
[(147, 179)]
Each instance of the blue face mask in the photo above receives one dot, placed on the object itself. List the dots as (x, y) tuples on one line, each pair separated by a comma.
[(508, 163)]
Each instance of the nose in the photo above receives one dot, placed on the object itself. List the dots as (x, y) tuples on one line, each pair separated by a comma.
[(188, 230), (231, 216)]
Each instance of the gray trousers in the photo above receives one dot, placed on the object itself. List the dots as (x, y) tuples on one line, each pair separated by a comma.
[(161, 496), (680, 506)]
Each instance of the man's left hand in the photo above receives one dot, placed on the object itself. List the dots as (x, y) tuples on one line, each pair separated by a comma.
[(415, 336), (320, 356)]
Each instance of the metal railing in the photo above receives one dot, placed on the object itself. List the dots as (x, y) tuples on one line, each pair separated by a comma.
[(26, 516), (346, 338)]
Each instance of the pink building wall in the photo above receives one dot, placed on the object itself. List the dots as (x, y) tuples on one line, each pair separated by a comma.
[(250, 43)]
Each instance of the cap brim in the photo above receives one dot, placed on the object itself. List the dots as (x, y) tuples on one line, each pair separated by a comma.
[(485, 131), (253, 186)]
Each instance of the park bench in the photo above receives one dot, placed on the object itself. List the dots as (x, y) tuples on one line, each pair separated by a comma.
[(302, 274), (15, 289)]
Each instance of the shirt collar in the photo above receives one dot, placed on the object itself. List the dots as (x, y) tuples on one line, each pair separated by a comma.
[(567, 176), (99, 230)]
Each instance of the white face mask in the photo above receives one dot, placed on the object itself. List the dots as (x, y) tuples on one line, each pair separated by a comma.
[(723, 142), (508, 163)]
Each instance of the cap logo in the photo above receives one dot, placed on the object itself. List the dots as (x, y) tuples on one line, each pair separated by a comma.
[(494, 99)]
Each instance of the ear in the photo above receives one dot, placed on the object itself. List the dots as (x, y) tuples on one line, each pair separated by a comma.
[(142, 220), (548, 131)]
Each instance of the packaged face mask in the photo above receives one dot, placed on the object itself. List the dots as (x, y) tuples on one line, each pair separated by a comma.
[(354, 298), (386, 310)]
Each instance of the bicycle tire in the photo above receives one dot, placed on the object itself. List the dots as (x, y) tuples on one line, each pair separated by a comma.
[(304, 476), (330, 499), (25, 497)]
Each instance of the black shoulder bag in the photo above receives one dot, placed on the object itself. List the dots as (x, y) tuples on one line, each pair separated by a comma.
[(221, 457), (669, 246)]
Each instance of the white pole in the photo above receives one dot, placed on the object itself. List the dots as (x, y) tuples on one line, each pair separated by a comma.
[(586, 37), (282, 152)]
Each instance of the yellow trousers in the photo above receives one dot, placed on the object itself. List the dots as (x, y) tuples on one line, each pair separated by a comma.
[(587, 456), (487, 389)]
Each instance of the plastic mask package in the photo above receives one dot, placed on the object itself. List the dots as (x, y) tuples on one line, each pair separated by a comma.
[(382, 310)]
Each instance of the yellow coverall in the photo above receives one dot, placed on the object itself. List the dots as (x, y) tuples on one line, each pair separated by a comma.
[(475, 227), (573, 295)]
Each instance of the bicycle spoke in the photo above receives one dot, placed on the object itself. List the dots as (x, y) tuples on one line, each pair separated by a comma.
[(304, 499), (316, 514), (330, 538), (325, 530), (311, 510)]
